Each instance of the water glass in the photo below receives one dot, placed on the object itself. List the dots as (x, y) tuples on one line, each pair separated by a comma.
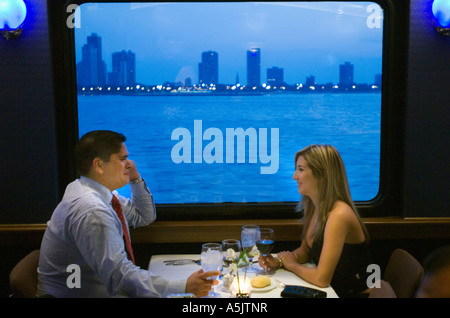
[(212, 260), (249, 235)]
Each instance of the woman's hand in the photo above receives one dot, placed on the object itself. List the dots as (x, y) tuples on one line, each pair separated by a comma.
[(289, 259), (268, 261)]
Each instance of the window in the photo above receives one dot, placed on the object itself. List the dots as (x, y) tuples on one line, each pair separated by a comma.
[(215, 98)]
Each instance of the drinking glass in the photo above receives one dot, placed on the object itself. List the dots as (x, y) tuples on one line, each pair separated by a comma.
[(249, 236), (212, 260), (265, 243), (235, 246), (231, 250)]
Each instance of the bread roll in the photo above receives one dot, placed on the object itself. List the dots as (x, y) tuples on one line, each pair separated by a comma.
[(260, 281)]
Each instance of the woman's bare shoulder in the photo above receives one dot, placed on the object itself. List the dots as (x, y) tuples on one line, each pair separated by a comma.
[(342, 212)]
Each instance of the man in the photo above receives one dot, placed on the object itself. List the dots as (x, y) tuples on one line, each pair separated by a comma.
[(85, 231)]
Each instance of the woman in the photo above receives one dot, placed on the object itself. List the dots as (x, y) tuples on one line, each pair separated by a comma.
[(334, 236)]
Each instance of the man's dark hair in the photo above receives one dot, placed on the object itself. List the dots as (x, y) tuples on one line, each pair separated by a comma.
[(97, 143)]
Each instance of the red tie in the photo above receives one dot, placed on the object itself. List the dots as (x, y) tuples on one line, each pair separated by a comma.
[(118, 208)]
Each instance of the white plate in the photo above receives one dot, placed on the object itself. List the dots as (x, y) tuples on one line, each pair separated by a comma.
[(272, 285)]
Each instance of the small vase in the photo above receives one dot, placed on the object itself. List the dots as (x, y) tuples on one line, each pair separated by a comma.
[(227, 279)]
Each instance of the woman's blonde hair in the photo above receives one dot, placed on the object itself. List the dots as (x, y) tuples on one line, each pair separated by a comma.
[(328, 167)]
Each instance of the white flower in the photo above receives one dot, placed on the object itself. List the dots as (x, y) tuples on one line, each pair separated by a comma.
[(254, 251), (232, 268), (230, 254)]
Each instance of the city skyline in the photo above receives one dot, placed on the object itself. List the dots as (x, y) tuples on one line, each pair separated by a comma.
[(92, 71), (301, 38)]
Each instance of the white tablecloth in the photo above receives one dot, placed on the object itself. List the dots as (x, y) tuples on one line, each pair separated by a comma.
[(158, 267)]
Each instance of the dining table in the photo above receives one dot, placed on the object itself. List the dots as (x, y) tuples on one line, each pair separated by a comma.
[(177, 266)]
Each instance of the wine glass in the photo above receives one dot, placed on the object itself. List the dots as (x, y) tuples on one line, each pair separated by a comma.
[(265, 243), (212, 260), (231, 249), (249, 236)]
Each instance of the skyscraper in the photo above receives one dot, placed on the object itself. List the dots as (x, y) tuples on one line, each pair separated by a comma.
[(377, 81), (346, 74), (91, 71), (123, 69), (254, 67), (208, 69), (275, 76), (310, 81)]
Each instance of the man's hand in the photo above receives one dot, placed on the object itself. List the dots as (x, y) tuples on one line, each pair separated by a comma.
[(199, 284), (134, 174)]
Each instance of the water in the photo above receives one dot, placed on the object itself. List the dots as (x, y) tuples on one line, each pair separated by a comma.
[(350, 122)]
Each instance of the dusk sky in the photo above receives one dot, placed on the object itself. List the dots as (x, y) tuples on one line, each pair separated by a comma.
[(304, 38)]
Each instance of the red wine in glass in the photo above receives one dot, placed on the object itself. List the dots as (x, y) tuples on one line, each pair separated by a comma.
[(265, 246), (265, 243)]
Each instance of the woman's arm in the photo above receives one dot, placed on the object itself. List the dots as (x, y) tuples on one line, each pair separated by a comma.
[(336, 230), (301, 255)]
